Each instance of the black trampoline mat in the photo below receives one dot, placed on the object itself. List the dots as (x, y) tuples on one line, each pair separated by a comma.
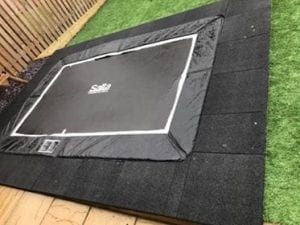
[(130, 92)]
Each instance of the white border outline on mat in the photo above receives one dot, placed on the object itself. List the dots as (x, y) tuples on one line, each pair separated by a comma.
[(165, 130)]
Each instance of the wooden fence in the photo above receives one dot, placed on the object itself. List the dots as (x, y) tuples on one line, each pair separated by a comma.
[(34, 28)]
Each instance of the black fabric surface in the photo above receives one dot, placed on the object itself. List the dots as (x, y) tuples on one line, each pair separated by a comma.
[(221, 181), (141, 96)]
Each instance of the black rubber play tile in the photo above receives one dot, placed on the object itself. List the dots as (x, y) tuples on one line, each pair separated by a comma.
[(243, 26), (176, 188), (237, 92), (223, 189), (232, 133), (7, 163), (146, 183), (218, 8), (26, 172), (240, 6), (246, 54), (56, 176), (93, 180)]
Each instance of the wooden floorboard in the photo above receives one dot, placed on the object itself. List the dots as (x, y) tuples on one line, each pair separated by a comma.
[(30, 209), (141, 221), (63, 212), (101, 216), (9, 198)]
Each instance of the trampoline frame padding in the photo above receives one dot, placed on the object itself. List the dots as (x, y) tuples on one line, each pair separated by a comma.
[(173, 143)]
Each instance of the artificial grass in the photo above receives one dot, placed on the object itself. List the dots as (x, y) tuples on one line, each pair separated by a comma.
[(117, 15), (282, 179), (282, 182)]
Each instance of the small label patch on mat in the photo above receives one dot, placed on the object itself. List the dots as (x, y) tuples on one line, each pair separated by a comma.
[(48, 146)]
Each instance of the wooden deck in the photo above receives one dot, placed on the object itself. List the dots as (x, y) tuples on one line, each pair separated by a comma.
[(19, 207)]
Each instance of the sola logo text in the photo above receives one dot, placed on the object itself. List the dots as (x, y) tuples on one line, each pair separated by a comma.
[(96, 89)]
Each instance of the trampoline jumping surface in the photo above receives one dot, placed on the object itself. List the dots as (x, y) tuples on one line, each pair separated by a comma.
[(130, 92)]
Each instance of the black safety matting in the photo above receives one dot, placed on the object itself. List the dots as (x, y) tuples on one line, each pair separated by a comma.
[(221, 180)]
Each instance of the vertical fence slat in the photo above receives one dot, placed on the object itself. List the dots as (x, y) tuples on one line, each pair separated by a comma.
[(31, 27), (71, 16), (49, 17), (36, 20), (2, 68), (74, 4), (40, 16), (8, 67), (14, 50), (33, 21), (60, 23), (72, 8), (88, 4), (20, 64), (10, 59), (16, 24), (82, 5), (78, 4), (24, 43), (62, 14), (42, 37), (70, 11), (26, 31)]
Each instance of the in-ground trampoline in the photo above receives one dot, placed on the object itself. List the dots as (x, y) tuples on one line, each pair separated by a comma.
[(137, 98), (166, 119)]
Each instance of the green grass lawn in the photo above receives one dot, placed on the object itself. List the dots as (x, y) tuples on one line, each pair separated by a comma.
[(282, 185), (118, 15)]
